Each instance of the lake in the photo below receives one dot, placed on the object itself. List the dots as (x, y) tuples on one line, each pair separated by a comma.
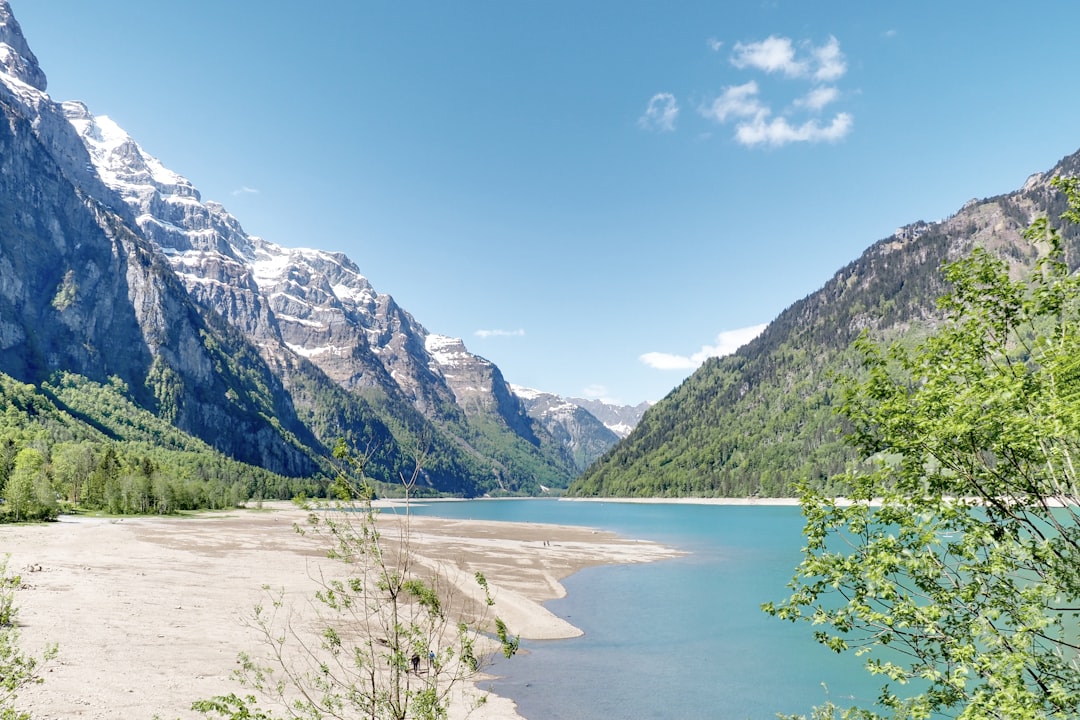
[(681, 638)]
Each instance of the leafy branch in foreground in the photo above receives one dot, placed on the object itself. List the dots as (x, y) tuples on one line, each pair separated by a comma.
[(17, 669), (955, 568), (392, 638)]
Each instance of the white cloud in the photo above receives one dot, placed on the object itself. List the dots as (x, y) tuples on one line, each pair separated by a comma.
[(818, 98), (727, 342), (773, 54), (714, 44), (830, 62), (499, 333), (245, 190), (778, 55), (667, 361), (755, 122), (661, 113), (736, 101), (779, 131)]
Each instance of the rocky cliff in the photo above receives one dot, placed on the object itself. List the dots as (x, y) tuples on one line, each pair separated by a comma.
[(111, 264)]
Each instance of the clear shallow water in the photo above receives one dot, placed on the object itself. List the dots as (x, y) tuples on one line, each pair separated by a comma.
[(681, 638)]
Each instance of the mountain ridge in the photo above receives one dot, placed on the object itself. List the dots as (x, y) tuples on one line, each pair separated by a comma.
[(219, 331), (761, 420)]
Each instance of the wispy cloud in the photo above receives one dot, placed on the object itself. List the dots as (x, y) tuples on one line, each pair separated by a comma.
[(498, 333), (779, 55), (828, 62), (245, 190), (778, 131), (756, 123), (595, 392), (661, 113), (738, 101), (773, 54), (727, 342), (818, 98)]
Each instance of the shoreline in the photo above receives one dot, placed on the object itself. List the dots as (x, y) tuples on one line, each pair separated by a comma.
[(769, 502), (148, 612)]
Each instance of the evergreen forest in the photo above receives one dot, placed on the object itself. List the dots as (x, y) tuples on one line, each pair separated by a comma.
[(75, 445)]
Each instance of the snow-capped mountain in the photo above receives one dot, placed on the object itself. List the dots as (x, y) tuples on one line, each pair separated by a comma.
[(81, 290), (295, 340), (620, 419), (575, 426), (314, 304)]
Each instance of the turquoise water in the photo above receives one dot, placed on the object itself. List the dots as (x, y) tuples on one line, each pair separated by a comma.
[(682, 638)]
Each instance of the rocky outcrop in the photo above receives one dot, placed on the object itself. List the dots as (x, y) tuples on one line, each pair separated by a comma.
[(82, 291), (478, 385), (16, 58)]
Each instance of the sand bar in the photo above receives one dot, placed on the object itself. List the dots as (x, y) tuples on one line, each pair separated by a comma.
[(148, 612)]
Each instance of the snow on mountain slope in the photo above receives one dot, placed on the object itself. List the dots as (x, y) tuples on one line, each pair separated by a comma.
[(311, 303), (117, 267), (576, 427), (619, 419)]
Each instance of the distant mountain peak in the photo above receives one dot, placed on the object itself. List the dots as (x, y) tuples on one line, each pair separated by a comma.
[(16, 57)]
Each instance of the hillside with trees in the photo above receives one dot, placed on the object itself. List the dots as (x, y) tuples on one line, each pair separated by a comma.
[(764, 419), (75, 444)]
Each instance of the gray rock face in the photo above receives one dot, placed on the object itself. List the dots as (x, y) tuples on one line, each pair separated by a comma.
[(478, 385), (303, 302), (620, 419), (308, 303), (82, 291), (578, 429), (16, 58), (111, 264)]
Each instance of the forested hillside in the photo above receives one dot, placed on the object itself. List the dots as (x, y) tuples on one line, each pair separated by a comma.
[(75, 443), (758, 421)]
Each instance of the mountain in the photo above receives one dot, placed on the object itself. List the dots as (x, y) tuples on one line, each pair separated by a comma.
[(757, 421), (113, 267), (619, 419), (574, 426)]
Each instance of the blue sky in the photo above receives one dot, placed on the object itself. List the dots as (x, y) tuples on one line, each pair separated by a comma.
[(593, 195)]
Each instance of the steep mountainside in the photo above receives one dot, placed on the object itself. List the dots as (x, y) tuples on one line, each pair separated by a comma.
[(112, 265), (81, 291), (619, 419), (759, 420), (577, 428)]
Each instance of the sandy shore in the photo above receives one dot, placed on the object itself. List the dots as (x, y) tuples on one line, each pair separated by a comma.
[(149, 612)]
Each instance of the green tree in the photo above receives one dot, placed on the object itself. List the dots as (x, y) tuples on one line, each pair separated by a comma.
[(392, 640), (17, 669), (29, 493), (955, 569)]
